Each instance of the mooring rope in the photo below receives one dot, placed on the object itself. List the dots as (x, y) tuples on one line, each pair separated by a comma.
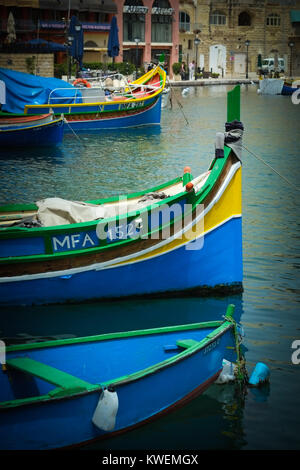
[(178, 102), (273, 169), (80, 140)]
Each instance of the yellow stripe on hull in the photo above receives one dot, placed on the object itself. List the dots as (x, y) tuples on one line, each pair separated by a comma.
[(229, 205)]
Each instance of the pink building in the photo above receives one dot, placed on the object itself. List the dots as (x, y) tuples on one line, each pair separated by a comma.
[(148, 28)]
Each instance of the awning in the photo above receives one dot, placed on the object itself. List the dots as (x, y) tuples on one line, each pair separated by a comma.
[(295, 16)]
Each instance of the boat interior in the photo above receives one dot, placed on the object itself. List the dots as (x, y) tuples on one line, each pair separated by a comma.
[(76, 212)]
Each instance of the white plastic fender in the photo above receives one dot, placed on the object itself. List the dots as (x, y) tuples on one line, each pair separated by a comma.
[(106, 411), (227, 374)]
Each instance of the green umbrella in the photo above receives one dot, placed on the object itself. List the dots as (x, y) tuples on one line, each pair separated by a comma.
[(259, 61)]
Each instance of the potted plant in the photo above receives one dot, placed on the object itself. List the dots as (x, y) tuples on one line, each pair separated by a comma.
[(176, 67)]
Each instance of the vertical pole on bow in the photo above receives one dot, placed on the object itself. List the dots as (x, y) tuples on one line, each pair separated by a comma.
[(234, 104)]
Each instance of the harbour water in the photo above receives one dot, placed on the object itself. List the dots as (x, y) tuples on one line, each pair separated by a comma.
[(112, 163)]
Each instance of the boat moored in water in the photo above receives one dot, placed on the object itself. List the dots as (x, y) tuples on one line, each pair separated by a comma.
[(91, 110), (27, 131), (184, 236), (63, 393)]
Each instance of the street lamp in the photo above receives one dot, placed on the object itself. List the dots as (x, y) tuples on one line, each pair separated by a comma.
[(291, 45), (247, 43), (136, 40), (196, 42)]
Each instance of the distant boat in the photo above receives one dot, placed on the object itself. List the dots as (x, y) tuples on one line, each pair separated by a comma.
[(90, 109), (68, 392), (181, 236), (274, 86), (27, 131), (288, 90)]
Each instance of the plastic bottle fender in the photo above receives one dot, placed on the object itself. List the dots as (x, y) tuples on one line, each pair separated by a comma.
[(105, 413)]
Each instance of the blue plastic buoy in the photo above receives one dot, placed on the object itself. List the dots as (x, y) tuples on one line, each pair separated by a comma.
[(260, 374)]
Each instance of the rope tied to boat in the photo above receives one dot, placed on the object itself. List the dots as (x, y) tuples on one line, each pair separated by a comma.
[(240, 371), (232, 137)]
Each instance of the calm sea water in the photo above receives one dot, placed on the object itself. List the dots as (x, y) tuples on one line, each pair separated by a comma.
[(115, 162)]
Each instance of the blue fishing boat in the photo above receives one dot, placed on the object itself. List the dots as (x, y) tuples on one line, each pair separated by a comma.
[(275, 86), (87, 108), (69, 392), (288, 90), (184, 236), (24, 132), (138, 105)]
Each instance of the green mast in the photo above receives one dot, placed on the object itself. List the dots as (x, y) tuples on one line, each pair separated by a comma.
[(233, 104)]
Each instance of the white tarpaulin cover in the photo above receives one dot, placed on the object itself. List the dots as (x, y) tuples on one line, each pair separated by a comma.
[(57, 211), (270, 86)]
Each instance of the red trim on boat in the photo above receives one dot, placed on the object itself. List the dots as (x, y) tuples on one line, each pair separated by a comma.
[(23, 119), (187, 398)]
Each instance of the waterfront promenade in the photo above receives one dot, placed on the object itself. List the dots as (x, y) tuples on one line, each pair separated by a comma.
[(214, 81)]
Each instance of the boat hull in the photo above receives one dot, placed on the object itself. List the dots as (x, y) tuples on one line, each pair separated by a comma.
[(210, 260), (50, 133), (65, 422), (217, 266), (150, 115)]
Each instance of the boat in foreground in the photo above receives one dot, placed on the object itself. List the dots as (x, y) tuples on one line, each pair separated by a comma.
[(68, 392), (26, 131), (91, 110), (184, 236)]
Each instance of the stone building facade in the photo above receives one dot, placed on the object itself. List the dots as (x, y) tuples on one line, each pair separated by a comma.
[(230, 31)]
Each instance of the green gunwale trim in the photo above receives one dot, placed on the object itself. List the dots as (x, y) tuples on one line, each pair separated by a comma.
[(58, 393), (110, 336), (101, 247), (166, 363)]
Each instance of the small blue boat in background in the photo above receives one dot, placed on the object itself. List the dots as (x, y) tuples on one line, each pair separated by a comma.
[(45, 130), (62, 393)]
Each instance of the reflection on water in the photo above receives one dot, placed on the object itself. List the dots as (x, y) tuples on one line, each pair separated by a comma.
[(115, 162), (107, 317)]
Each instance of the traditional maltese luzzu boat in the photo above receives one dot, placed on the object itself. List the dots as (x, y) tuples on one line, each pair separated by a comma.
[(139, 104), (184, 236)]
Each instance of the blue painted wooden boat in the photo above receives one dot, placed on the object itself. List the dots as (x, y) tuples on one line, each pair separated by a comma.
[(139, 105), (288, 90), (21, 132), (68, 392), (184, 236)]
